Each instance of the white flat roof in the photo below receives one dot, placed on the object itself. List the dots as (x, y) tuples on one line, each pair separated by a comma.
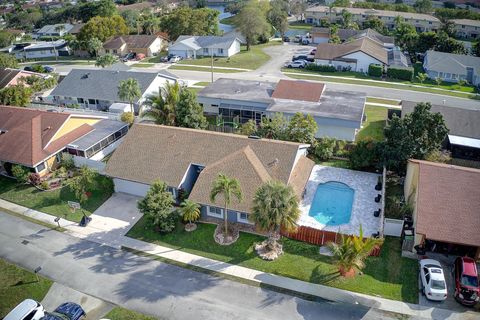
[(464, 141)]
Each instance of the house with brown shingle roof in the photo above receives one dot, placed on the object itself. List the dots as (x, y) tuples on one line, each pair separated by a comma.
[(446, 207), (189, 160), (148, 45), (35, 139)]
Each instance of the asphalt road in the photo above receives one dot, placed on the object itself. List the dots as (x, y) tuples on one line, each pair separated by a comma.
[(152, 287)]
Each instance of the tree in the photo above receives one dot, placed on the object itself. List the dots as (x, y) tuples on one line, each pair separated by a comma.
[(161, 106), (129, 90), (364, 154), (302, 128), (6, 38), (449, 28), (476, 49), (275, 206), (324, 148), (16, 95), (94, 45), (226, 188), (131, 17), (278, 15), (406, 36), (38, 84), (103, 28), (273, 127), (188, 112), (351, 252), (248, 128), (8, 61), (20, 173), (190, 211), (422, 132), (252, 23), (438, 81), (373, 22), (185, 20), (334, 38), (298, 8), (347, 20), (426, 41), (422, 77), (105, 60), (83, 184), (423, 6), (103, 8), (450, 45), (157, 205)]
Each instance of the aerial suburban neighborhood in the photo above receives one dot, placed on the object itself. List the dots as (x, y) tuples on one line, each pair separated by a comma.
[(239, 159)]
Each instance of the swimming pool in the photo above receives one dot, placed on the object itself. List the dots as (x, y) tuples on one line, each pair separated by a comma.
[(332, 203)]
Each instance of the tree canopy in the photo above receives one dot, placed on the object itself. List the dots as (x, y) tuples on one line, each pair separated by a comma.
[(157, 206), (252, 22), (103, 28), (188, 21), (8, 61)]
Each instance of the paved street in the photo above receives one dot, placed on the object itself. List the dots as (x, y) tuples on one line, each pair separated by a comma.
[(153, 287)]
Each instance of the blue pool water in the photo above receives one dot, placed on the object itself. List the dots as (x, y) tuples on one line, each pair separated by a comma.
[(332, 203)]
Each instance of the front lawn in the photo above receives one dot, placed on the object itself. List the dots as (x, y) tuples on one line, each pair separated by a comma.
[(374, 125), (18, 284), (388, 276), (119, 313), (52, 202), (299, 25), (244, 59), (203, 69)]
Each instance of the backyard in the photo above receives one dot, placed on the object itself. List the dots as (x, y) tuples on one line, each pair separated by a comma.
[(17, 285), (388, 276), (53, 202), (373, 126)]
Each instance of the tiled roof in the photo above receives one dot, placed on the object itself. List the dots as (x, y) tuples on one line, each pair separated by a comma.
[(331, 51), (135, 41), (448, 203), (298, 90)]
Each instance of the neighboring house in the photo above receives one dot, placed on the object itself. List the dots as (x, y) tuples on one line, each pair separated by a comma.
[(189, 160), (322, 35), (338, 113), (421, 22), (76, 29), (98, 89), (193, 46), (147, 45), (53, 30), (36, 139), (463, 125), (452, 67), (144, 6), (10, 77), (445, 201), (40, 49), (17, 33), (466, 28), (358, 55)]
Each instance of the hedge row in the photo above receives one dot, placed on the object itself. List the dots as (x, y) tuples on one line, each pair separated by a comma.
[(375, 70), (322, 68), (400, 73)]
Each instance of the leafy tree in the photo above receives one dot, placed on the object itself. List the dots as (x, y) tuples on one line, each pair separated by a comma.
[(352, 251), (438, 81), (422, 77), (128, 117), (275, 206), (423, 6), (334, 38), (406, 36), (94, 45), (188, 112), (449, 28), (129, 90), (248, 128), (103, 28), (190, 211), (185, 20), (373, 22), (103, 8), (6, 38), (302, 128), (105, 60), (131, 18), (347, 20), (66, 161), (38, 84), (226, 188), (278, 16), (252, 23), (476, 49), (324, 148), (162, 105), (422, 132), (298, 8), (84, 183), (157, 205), (20, 173), (364, 154), (450, 45), (273, 127), (8, 61), (16, 95)]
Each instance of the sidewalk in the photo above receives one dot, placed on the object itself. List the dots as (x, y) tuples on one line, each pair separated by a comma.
[(115, 239)]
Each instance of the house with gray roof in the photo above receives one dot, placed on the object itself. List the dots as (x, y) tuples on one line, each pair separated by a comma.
[(193, 46), (53, 30), (322, 35), (98, 89), (452, 67), (338, 113)]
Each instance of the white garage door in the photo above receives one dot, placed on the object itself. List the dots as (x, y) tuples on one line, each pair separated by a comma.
[(130, 187)]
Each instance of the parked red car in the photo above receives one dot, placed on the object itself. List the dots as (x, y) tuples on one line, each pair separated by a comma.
[(466, 281)]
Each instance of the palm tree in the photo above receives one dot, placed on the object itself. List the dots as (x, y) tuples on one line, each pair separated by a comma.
[(351, 252), (161, 106), (226, 187), (106, 60), (275, 206), (93, 45), (190, 211), (129, 90)]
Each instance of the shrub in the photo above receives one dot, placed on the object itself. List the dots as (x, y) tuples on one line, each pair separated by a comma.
[(321, 68), (34, 178), (127, 117), (375, 70), (462, 82), (364, 155), (400, 73), (66, 161), (157, 206), (61, 172), (442, 156), (20, 173), (44, 185), (248, 128), (324, 148)]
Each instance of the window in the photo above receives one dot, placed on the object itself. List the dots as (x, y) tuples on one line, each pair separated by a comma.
[(440, 74), (58, 157), (215, 105), (205, 50), (243, 217), (214, 212), (40, 167), (454, 76), (91, 101), (80, 100), (220, 51), (427, 277)]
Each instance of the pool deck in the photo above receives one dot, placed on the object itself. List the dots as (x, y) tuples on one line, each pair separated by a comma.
[(363, 203)]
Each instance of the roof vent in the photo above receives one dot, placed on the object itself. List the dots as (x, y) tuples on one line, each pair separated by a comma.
[(2, 131), (85, 76), (273, 163), (47, 128)]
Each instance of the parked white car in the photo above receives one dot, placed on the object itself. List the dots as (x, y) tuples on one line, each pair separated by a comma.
[(28, 309), (175, 59), (433, 280), (295, 64)]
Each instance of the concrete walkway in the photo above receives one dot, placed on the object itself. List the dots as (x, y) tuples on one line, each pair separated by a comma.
[(113, 238)]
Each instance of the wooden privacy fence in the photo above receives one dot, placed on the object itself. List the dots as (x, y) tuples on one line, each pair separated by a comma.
[(319, 237)]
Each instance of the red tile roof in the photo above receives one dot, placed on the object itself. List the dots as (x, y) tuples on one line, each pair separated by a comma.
[(27, 134), (298, 90), (448, 203)]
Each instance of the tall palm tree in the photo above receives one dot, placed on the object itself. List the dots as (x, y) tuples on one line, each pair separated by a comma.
[(275, 206), (161, 106), (129, 90), (226, 187), (351, 252), (190, 211)]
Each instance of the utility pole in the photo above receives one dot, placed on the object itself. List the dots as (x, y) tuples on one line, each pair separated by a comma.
[(211, 53)]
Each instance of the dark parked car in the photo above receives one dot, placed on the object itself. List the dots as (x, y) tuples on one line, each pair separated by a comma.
[(28, 68), (305, 57), (466, 281), (66, 311), (129, 56), (286, 39), (48, 69)]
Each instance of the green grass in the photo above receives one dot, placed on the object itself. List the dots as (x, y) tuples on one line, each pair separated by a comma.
[(373, 127), (155, 59), (384, 85), (18, 284), (252, 59), (203, 83), (119, 313), (30, 219), (395, 103), (217, 70), (392, 190), (143, 65), (345, 164), (51, 202), (230, 20), (388, 276), (298, 25)]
